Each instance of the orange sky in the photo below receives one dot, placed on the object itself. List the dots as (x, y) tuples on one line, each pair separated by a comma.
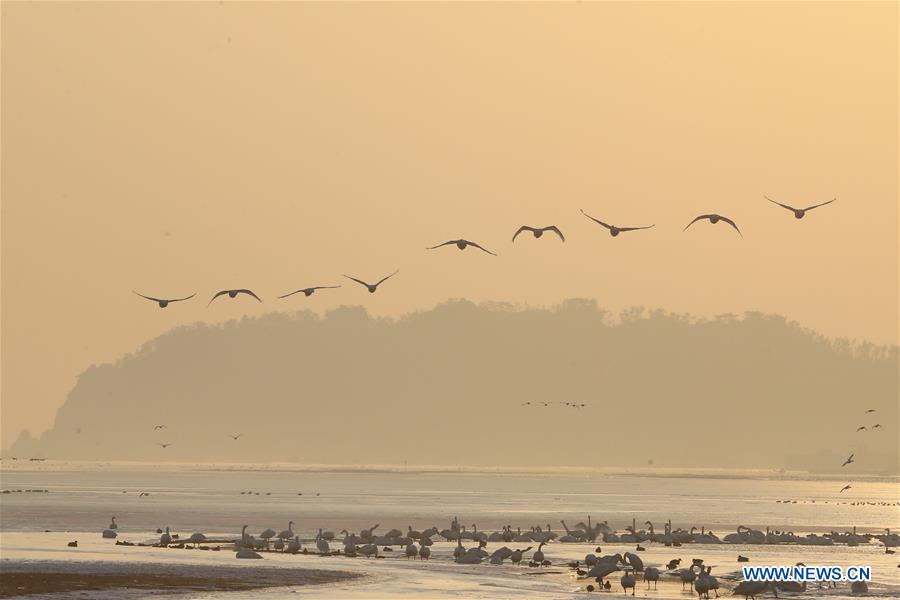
[(178, 148)]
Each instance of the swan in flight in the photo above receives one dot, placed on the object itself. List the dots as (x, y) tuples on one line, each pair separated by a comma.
[(539, 231), (613, 230), (860, 428), (714, 218), (876, 426), (462, 245), (164, 302), (871, 410), (235, 436), (310, 290), (164, 446), (158, 427), (370, 286), (848, 461), (799, 213), (846, 487), (233, 294)]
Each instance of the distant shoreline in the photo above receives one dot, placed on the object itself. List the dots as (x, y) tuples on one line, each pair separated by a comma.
[(48, 465), (19, 578)]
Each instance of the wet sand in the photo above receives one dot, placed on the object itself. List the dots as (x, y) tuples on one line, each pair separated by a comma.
[(44, 577)]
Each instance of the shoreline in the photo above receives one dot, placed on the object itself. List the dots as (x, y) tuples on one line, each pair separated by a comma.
[(49, 465), (23, 577)]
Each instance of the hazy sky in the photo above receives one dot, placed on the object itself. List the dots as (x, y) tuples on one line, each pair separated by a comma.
[(178, 148)]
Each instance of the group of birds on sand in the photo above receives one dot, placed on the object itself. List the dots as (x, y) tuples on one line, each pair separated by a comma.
[(462, 244), (852, 458), (370, 543)]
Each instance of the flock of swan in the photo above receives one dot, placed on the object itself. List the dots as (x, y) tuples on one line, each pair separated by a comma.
[(462, 244), (472, 548)]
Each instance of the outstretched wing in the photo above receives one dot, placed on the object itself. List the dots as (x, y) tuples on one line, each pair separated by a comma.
[(216, 296), (480, 248), (383, 279), (595, 220), (818, 205), (556, 230), (520, 230), (185, 298), (249, 293), (147, 297), (780, 204), (291, 294), (359, 281), (700, 218), (730, 222), (323, 287), (636, 228), (447, 243)]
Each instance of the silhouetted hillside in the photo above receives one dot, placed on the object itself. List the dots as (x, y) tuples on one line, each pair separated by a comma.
[(446, 386)]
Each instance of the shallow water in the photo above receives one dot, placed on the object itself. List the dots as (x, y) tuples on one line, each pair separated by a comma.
[(207, 498)]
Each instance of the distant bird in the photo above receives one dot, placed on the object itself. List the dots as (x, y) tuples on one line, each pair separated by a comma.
[(846, 487), (799, 213), (310, 290), (462, 245), (372, 287), (233, 294), (871, 410), (164, 302), (613, 230), (235, 437), (112, 524), (73, 544), (164, 445), (860, 428), (876, 425), (848, 461), (714, 218), (539, 231), (159, 427)]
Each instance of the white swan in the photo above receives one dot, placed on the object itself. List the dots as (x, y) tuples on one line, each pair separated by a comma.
[(289, 532), (628, 581), (321, 544), (166, 538), (538, 556), (112, 524)]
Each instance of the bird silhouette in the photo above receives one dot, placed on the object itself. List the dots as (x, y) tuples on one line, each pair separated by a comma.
[(158, 427), (871, 410), (846, 487), (310, 290), (370, 286), (799, 213), (164, 302), (860, 428), (714, 218), (539, 231), (233, 294), (462, 245), (235, 437), (848, 461), (614, 230), (876, 426), (164, 445)]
